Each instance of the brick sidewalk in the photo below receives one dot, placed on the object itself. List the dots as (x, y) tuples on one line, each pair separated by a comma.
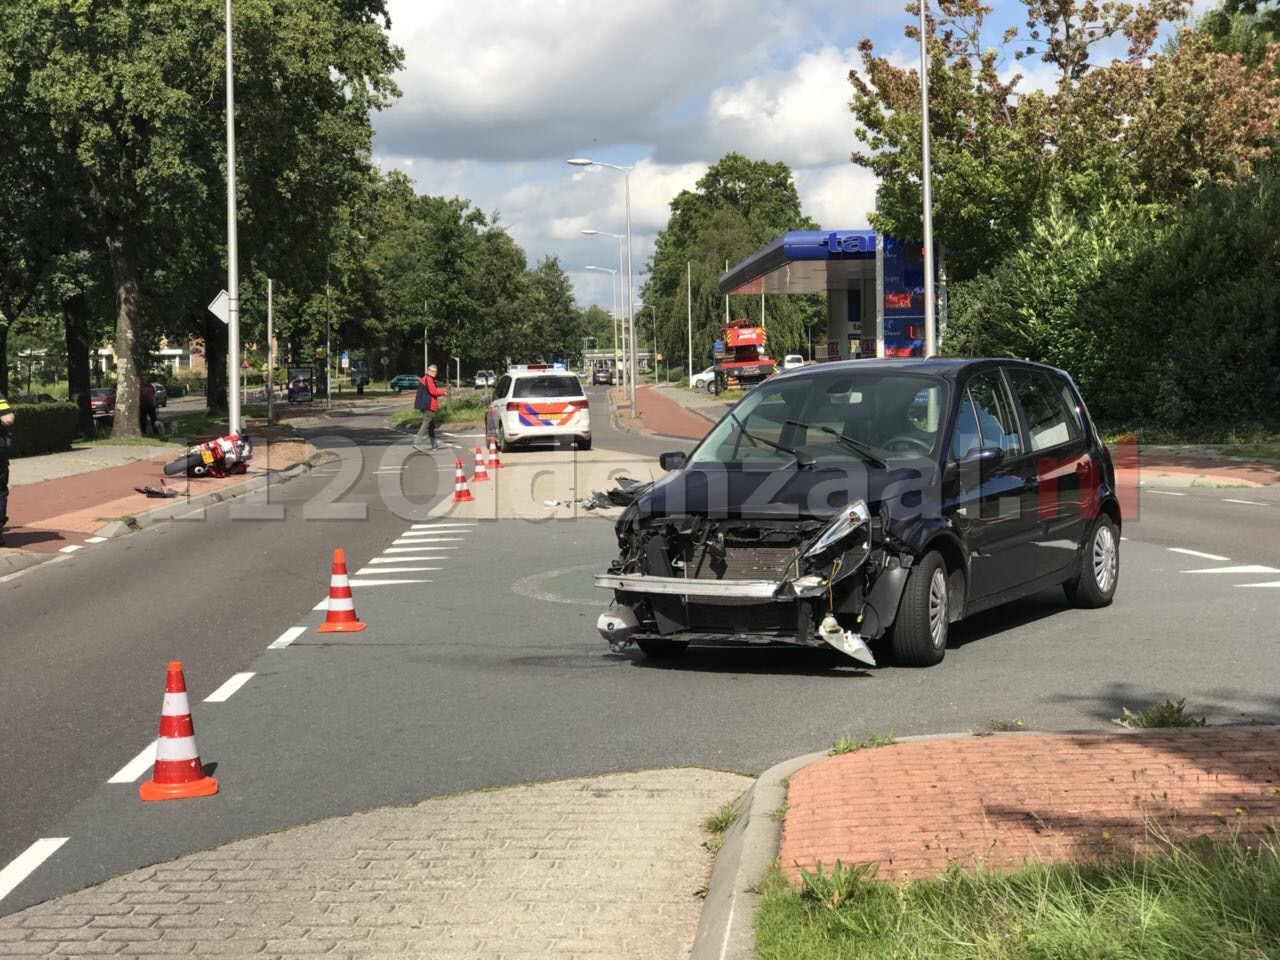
[(911, 808), (659, 414)]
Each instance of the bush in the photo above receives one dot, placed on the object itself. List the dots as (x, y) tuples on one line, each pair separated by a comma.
[(42, 428)]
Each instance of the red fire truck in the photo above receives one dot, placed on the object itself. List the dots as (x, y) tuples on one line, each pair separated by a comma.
[(744, 363)]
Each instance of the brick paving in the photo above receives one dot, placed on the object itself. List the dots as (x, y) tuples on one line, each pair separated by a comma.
[(659, 414), (607, 867), (911, 808)]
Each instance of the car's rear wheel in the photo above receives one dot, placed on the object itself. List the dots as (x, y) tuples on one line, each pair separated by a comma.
[(1095, 585), (584, 443), (713, 387), (503, 444), (919, 635), (659, 648)]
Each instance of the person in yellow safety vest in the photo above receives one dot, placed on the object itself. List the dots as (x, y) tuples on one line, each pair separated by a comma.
[(6, 424)]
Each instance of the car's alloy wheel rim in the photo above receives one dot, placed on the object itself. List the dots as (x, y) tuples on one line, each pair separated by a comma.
[(1104, 559), (938, 608)]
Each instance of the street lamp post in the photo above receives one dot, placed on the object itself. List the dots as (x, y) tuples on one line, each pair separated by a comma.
[(630, 298), (619, 237), (930, 321), (233, 252), (613, 290)]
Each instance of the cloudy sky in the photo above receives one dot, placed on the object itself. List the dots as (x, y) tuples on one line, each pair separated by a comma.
[(499, 93)]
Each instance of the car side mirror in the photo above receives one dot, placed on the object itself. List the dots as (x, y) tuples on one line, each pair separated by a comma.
[(486, 399), (979, 458), (672, 461)]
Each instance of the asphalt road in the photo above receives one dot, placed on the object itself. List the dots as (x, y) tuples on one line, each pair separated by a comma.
[(486, 670)]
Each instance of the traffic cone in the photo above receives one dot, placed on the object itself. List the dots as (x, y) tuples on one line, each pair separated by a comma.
[(341, 617), (461, 492), (494, 462), (177, 772), (481, 475)]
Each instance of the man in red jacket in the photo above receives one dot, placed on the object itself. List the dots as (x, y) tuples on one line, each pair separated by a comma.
[(428, 402)]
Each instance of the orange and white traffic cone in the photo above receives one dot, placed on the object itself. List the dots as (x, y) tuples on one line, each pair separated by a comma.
[(461, 492), (481, 475), (341, 617), (177, 772), (494, 462)]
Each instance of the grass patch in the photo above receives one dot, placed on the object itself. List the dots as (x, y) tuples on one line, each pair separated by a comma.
[(718, 823), (1242, 434), (1215, 899), (1167, 714), (847, 744), (464, 410), (1253, 451), (1214, 485)]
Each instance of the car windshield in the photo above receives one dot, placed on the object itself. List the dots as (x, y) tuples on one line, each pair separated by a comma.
[(872, 416), (532, 388), (100, 392)]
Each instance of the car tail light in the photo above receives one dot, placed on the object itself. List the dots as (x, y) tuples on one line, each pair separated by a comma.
[(513, 405), (584, 404)]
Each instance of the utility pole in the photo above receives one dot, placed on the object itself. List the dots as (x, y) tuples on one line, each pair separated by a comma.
[(233, 251), (930, 321), (689, 285)]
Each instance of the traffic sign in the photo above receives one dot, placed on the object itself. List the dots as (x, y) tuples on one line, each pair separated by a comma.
[(221, 307), (244, 364), (385, 361)]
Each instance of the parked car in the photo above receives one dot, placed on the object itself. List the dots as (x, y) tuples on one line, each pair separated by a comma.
[(793, 360), (404, 381), (162, 394), (703, 380), (870, 502), (102, 401), (484, 378), (602, 375), (32, 398), (530, 405)]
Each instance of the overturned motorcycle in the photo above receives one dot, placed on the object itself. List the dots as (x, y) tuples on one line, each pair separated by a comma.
[(220, 457)]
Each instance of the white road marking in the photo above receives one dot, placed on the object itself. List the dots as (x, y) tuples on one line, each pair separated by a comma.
[(431, 546), (1252, 503), (290, 635), (1247, 568), (1197, 553), (1273, 583), (439, 526), (1167, 493), (418, 540), (383, 583), (368, 571), (380, 473), (72, 548), (25, 863), (96, 540), (405, 559), (136, 767), (224, 692), (322, 605)]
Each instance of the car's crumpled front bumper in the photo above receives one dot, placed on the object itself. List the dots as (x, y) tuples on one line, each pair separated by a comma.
[(789, 608)]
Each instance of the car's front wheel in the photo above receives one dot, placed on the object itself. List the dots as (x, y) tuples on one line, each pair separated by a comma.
[(919, 636), (1095, 584)]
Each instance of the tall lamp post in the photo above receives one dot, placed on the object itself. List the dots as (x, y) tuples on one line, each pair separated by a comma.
[(630, 297), (233, 253), (613, 274), (619, 237), (930, 321)]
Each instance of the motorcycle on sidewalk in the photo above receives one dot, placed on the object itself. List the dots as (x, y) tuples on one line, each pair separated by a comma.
[(220, 457)]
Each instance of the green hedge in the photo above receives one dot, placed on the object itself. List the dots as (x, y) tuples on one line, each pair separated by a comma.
[(42, 428)]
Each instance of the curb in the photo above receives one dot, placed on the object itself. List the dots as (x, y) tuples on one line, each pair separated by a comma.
[(726, 928), (148, 518), (616, 422)]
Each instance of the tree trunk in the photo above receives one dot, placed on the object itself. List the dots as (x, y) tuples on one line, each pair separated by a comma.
[(75, 321), (128, 341), (215, 358)]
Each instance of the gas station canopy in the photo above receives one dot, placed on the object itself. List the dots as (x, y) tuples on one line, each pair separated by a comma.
[(805, 261)]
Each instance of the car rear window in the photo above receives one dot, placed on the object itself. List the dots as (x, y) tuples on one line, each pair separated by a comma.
[(529, 388)]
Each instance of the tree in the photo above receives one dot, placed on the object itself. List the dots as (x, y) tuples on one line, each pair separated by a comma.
[(738, 205), (134, 93), (1145, 128), (554, 322)]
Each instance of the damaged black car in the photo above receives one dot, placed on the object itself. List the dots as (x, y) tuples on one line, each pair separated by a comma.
[(866, 506)]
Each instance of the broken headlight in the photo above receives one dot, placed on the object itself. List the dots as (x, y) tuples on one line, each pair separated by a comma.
[(851, 518)]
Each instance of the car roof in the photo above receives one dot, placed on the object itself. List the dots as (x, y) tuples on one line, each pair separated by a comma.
[(948, 368), (520, 374)]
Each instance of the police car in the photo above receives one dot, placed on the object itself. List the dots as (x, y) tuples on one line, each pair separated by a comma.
[(537, 402)]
